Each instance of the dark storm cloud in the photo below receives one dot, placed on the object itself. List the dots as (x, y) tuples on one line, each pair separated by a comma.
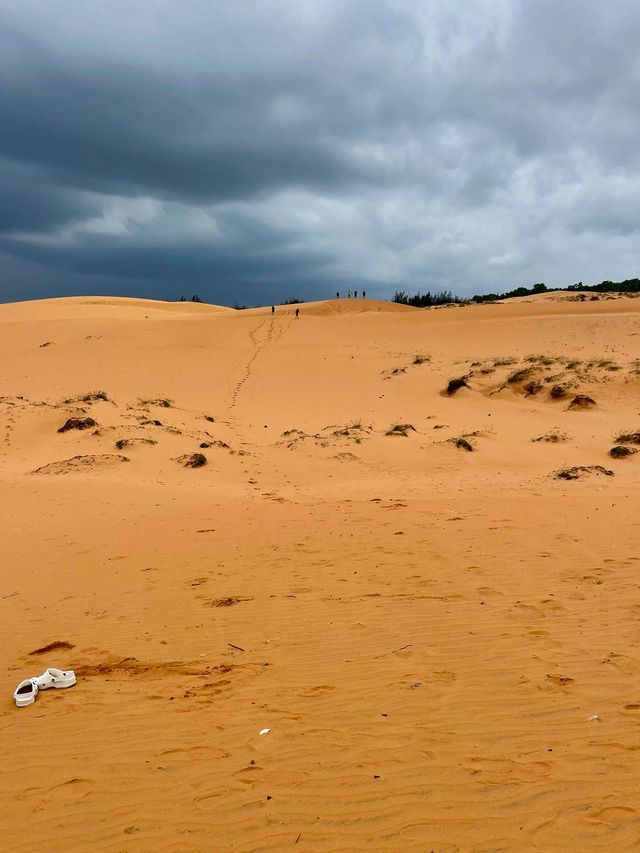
[(29, 202), (248, 147)]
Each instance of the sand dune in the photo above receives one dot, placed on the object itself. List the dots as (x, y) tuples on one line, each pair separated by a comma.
[(438, 631)]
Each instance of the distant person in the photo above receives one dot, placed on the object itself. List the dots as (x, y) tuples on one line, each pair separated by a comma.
[(348, 294), (364, 295), (297, 313), (337, 294), (355, 294), (273, 309)]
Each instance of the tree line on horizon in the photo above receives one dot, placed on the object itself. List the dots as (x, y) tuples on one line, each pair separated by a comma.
[(446, 297)]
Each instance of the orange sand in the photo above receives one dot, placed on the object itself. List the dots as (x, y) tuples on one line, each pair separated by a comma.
[(424, 630)]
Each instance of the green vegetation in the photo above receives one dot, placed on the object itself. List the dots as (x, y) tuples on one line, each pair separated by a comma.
[(630, 285), (520, 375), (428, 299), (446, 297), (545, 360), (510, 294)]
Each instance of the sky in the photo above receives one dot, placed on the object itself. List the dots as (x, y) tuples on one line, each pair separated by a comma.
[(252, 151)]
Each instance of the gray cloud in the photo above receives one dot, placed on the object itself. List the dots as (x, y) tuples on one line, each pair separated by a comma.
[(254, 151)]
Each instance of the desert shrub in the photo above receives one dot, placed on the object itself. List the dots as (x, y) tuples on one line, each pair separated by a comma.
[(544, 360), (89, 397), (519, 375), (400, 429), (579, 470), (455, 385), (121, 443), (193, 460), (628, 438), (553, 437), (462, 444), (532, 387), (582, 401), (77, 423), (163, 402), (428, 299), (622, 451), (558, 392)]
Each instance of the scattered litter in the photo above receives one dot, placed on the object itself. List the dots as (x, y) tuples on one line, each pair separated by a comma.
[(26, 692), (416, 684), (233, 646), (592, 718), (264, 731)]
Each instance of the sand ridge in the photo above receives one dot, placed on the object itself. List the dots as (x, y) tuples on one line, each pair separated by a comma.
[(437, 630)]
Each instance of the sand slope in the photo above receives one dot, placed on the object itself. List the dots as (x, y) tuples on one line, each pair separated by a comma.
[(391, 579)]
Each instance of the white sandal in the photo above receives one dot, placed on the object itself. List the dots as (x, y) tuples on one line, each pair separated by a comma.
[(26, 692), (56, 678)]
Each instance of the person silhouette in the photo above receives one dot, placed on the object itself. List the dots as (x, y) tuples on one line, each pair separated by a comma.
[(364, 295), (273, 309), (297, 313)]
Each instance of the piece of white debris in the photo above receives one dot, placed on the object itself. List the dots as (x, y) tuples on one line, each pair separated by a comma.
[(592, 718), (264, 731)]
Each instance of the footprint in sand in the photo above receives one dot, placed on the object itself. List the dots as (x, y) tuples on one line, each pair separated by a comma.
[(443, 676), (230, 601), (560, 680), (74, 788), (248, 775), (320, 690)]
